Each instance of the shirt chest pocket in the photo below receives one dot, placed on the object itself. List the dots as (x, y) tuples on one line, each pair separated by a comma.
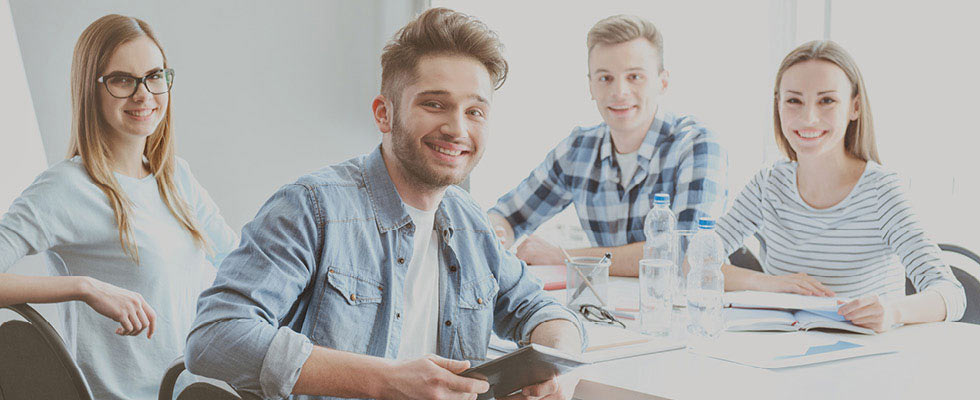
[(354, 289), (350, 306), (476, 306)]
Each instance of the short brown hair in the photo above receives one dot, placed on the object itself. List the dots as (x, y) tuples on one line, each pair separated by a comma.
[(623, 28), (439, 31), (859, 139)]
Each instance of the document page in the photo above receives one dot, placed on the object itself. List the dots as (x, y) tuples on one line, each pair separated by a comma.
[(786, 301), (750, 319), (780, 350), (818, 320)]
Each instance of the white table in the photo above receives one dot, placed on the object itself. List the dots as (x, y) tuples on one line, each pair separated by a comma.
[(934, 361)]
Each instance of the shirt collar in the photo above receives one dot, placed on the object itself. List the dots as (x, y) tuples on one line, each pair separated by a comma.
[(389, 211), (655, 135)]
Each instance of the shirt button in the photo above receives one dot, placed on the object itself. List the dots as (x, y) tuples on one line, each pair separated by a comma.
[(479, 301), (401, 260), (449, 323), (398, 315), (381, 288), (452, 268), (353, 297)]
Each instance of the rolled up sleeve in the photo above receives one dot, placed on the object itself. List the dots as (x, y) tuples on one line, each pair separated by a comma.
[(237, 336)]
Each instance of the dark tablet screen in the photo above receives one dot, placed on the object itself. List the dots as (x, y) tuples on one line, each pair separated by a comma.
[(523, 367)]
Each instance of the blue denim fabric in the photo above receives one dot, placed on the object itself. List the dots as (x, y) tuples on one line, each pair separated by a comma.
[(324, 264)]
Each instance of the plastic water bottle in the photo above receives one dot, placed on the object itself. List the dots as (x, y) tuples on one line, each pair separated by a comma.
[(658, 269), (658, 227), (705, 282)]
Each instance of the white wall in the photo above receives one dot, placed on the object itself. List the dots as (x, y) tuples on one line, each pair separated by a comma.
[(21, 152), (920, 67), (265, 91)]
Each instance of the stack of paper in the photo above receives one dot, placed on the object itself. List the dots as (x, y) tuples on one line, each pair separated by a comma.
[(607, 343)]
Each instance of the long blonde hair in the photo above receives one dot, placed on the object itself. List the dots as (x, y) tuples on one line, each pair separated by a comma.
[(90, 131), (859, 139)]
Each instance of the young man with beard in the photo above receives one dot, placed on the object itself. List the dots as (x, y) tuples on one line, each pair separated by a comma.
[(611, 171), (377, 277)]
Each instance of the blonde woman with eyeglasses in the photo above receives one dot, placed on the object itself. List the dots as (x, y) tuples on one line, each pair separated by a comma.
[(123, 223)]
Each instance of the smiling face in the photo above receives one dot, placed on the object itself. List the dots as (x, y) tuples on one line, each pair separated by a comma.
[(436, 133), (137, 116), (626, 83), (815, 107)]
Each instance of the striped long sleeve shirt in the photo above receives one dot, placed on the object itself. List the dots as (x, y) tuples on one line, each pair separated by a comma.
[(867, 243)]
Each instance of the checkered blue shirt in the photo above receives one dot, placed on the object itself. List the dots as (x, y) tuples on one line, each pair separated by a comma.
[(678, 156)]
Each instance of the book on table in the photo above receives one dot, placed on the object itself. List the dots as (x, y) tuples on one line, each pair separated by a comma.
[(764, 311)]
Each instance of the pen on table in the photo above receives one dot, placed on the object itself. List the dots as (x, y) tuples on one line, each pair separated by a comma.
[(622, 314)]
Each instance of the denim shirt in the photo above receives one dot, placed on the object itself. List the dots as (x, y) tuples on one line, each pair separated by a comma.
[(324, 263)]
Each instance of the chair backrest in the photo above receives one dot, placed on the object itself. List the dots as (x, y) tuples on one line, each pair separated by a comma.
[(744, 258), (195, 391), (206, 391), (34, 362), (971, 285)]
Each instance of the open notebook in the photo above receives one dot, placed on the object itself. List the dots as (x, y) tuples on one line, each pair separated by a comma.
[(763, 311)]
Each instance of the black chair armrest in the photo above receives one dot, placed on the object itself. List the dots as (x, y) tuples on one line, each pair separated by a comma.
[(170, 379)]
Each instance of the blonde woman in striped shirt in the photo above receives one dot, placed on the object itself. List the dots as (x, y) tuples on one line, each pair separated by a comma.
[(833, 220)]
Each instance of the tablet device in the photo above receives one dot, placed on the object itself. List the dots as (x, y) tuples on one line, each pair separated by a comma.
[(524, 367)]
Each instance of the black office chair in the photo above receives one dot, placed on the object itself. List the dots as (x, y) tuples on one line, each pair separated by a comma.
[(196, 390), (971, 285), (744, 258), (34, 362)]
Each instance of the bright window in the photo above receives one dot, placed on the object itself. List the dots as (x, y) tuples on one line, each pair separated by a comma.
[(920, 66)]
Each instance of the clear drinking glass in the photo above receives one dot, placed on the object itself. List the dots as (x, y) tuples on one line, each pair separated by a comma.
[(680, 277), (656, 289), (587, 281)]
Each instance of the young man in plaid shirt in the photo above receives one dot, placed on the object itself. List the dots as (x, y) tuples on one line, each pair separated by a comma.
[(612, 170)]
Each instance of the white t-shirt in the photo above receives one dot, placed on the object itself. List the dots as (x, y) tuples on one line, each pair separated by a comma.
[(64, 215), (627, 165), (420, 321)]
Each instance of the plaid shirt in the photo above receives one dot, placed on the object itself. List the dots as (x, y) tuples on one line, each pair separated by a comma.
[(678, 156)]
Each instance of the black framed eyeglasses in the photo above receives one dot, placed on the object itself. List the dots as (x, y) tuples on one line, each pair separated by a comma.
[(594, 313), (122, 86)]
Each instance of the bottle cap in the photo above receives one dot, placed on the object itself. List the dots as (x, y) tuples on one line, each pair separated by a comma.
[(706, 223), (661, 199)]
